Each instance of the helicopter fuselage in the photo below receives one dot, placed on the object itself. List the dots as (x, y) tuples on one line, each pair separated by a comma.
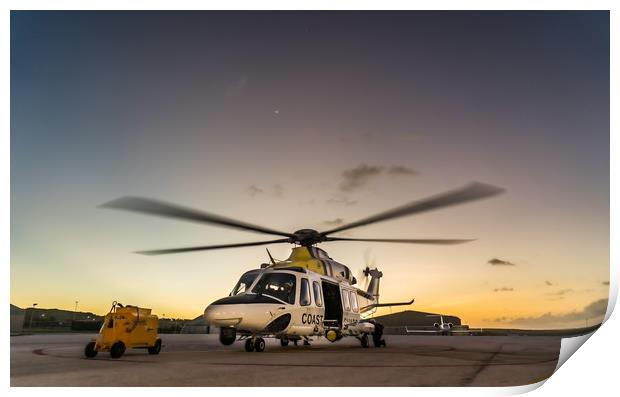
[(289, 303)]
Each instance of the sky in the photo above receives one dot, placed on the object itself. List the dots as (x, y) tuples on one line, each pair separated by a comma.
[(297, 120)]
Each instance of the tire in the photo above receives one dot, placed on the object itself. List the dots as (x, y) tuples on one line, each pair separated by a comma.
[(228, 336), (377, 336), (89, 350), (364, 340), (156, 348), (117, 350), (284, 342), (249, 345), (259, 345)]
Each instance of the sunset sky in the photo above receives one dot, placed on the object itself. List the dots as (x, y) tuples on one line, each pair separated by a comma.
[(304, 120)]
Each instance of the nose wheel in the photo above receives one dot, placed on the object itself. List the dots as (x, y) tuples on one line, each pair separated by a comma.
[(255, 344)]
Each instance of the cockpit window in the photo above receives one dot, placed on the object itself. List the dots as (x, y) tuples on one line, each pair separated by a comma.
[(244, 282), (277, 285)]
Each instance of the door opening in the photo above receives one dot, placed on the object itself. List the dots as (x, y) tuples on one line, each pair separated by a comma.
[(333, 304)]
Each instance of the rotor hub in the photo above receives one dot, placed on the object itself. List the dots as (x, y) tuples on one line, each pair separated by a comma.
[(307, 237)]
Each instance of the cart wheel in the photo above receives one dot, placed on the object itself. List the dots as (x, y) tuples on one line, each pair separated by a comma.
[(117, 350), (364, 340), (284, 342), (156, 348), (89, 350), (259, 345), (249, 345)]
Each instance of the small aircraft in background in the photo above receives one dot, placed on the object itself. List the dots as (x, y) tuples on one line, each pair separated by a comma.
[(441, 327)]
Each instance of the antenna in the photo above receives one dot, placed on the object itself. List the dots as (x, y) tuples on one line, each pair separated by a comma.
[(273, 262)]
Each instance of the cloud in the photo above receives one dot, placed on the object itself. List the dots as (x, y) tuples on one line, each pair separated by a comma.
[(274, 190), (397, 170), (359, 176), (561, 292), (548, 283), (253, 190), (341, 201), (594, 312), (605, 282), (356, 178), (503, 289), (500, 262), (334, 222)]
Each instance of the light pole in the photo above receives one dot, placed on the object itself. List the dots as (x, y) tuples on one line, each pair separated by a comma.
[(32, 315), (75, 311)]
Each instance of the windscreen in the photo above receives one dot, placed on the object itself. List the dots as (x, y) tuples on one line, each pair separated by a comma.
[(277, 285), (244, 282)]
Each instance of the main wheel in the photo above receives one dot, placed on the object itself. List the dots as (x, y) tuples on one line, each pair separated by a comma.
[(89, 350), (228, 335), (249, 345), (283, 342), (259, 345), (377, 336), (117, 350), (364, 340), (156, 348)]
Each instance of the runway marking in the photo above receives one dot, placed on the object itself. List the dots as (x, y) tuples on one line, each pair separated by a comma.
[(43, 352), (468, 380)]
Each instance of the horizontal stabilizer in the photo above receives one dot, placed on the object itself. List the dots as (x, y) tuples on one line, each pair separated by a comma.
[(365, 308)]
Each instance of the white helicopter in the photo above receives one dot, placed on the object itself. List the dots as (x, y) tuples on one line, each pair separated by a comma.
[(309, 294)]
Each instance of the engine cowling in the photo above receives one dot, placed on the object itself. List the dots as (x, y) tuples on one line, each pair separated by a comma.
[(450, 325), (436, 325)]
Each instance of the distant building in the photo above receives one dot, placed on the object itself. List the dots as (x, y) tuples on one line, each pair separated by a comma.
[(399, 323), (18, 315)]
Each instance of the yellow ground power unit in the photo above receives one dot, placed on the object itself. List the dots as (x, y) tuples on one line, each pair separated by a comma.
[(126, 327)]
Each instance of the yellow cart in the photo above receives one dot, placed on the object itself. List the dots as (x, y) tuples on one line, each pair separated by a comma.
[(126, 327)]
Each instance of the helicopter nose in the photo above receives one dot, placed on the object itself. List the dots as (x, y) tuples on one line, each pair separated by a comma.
[(248, 311), (223, 315)]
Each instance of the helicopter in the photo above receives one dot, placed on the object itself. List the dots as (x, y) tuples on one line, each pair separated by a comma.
[(309, 294)]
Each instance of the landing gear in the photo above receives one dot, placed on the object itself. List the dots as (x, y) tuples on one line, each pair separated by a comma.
[(284, 342), (306, 341), (364, 340), (228, 335), (254, 345), (377, 336), (259, 345)]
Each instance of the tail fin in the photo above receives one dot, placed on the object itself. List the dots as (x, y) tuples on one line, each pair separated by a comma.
[(373, 286)]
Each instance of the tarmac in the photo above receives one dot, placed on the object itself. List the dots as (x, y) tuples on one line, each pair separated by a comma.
[(200, 360)]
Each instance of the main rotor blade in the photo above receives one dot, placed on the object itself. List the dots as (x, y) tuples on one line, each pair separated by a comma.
[(155, 207), (404, 240), (470, 192), (209, 247)]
